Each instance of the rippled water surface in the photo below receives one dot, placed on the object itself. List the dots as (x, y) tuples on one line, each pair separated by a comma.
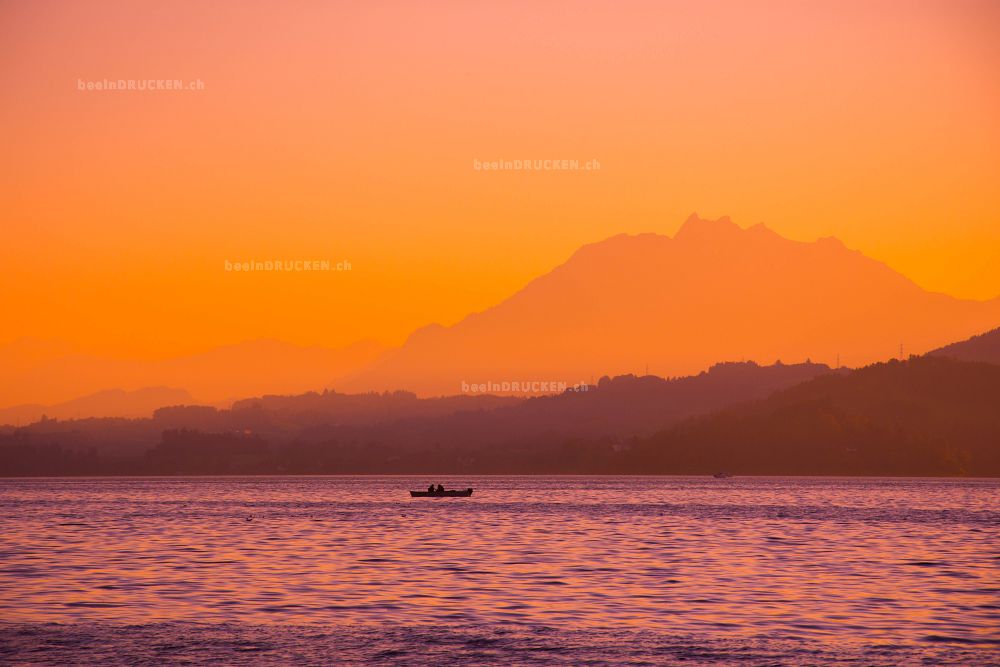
[(621, 569)]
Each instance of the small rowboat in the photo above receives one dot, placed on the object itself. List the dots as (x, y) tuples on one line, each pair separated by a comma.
[(450, 493)]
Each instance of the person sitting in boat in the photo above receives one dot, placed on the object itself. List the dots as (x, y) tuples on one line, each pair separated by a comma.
[(430, 489), (440, 489)]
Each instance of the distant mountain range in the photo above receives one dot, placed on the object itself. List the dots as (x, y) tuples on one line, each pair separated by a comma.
[(674, 306), (677, 305), (109, 403), (43, 372), (352, 432), (928, 415)]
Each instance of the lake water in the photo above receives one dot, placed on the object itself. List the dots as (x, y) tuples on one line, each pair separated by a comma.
[(530, 570)]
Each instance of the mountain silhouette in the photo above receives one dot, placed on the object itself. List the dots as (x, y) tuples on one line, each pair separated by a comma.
[(109, 403), (43, 372), (713, 291), (925, 416), (330, 432), (983, 347)]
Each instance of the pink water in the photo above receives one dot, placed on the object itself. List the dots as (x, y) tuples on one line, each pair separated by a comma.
[(788, 564)]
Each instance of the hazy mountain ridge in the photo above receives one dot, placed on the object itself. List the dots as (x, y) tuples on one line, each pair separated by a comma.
[(924, 416), (672, 305), (36, 369), (983, 347), (107, 403), (396, 426), (713, 291)]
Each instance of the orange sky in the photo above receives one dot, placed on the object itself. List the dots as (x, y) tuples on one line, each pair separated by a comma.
[(348, 131)]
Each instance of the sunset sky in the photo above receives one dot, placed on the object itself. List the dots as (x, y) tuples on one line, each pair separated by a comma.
[(348, 131)]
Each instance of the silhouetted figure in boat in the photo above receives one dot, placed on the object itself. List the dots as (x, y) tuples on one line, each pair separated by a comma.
[(440, 489), (430, 489)]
